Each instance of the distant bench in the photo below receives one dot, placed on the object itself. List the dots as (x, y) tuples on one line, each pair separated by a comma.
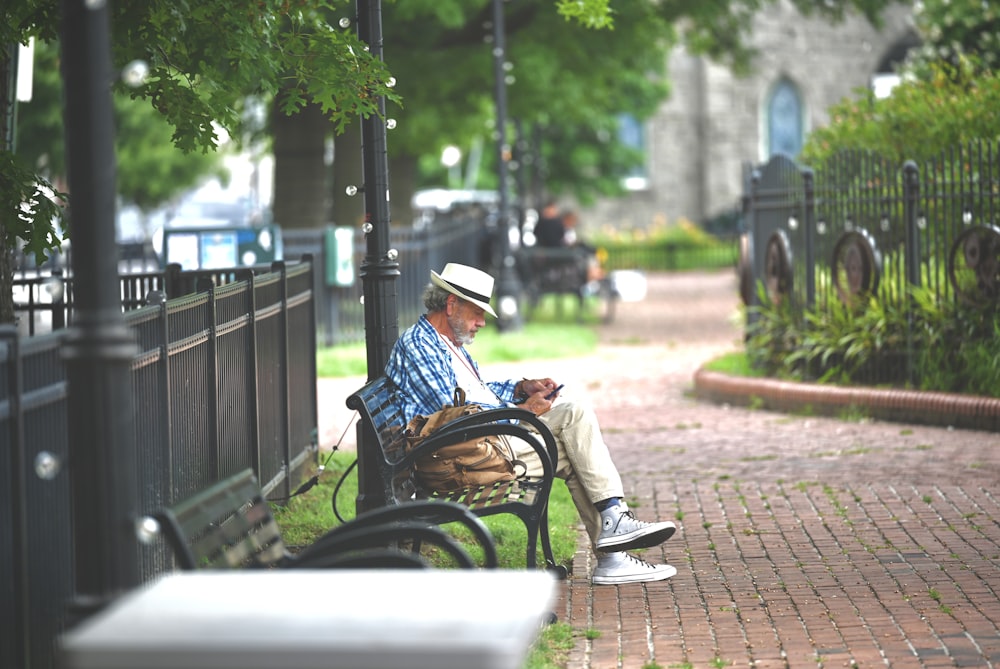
[(525, 497), (564, 271)]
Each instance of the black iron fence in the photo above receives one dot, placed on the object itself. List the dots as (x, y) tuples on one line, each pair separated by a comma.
[(860, 226), (339, 254), (224, 379), (44, 296)]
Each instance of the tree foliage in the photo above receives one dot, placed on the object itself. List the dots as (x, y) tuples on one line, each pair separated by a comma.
[(567, 86), (205, 57), (949, 92), (954, 29), (151, 170), (920, 119), (204, 60)]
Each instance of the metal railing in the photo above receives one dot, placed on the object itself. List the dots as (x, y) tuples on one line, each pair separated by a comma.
[(224, 379), (339, 309), (860, 226)]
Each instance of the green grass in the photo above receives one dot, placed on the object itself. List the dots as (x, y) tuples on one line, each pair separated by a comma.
[(735, 364), (543, 338), (305, 517), (551, 649)]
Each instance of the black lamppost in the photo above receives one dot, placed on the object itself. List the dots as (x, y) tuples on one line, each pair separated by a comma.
[(508, 284), (379, 269), (99, 348)]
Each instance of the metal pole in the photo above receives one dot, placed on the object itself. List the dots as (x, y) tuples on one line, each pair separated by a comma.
[(911, 197), (379, 269), (809, 191), (508, 285), (99, 348)]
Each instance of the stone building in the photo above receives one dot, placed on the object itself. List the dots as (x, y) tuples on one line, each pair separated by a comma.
[(714, 123)]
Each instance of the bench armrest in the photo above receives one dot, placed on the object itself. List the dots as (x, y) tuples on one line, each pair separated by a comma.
[(401, 522), (354, 545)]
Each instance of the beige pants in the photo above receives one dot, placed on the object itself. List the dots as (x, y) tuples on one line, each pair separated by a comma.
[(584, 461)]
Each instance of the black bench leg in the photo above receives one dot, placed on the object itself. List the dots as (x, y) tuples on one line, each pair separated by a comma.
[(550, 559)]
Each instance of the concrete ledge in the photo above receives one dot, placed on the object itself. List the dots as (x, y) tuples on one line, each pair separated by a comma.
[(970, 412)]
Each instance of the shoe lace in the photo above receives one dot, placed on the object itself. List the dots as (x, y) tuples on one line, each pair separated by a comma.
[(631, 516), (638, 561)]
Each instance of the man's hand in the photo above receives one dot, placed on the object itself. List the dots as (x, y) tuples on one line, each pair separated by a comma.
[(532, 386), (537, 390)]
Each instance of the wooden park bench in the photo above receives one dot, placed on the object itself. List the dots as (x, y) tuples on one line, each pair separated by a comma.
[(526, 497), (300, 610), (564, 271), (229, 525)]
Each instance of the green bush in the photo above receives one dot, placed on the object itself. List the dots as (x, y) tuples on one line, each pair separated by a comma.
[(665, 247), (931, 345), (951, 106)]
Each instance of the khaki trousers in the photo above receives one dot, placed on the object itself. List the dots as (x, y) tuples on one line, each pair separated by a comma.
[(584, 461)]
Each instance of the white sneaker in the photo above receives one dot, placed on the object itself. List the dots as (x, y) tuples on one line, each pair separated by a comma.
[(618, 568), (620, 531)]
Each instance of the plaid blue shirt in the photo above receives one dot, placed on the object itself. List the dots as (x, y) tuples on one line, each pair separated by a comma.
[(420, 366)]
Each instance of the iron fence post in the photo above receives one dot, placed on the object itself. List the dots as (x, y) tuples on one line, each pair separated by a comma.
[(809, 216), (99, 348), (756, 269), (911, 193), (379, 269)]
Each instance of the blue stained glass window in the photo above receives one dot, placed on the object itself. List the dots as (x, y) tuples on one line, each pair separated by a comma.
[(784, 120), (631, 133)]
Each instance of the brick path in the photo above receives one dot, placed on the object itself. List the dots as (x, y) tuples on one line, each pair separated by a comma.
[(803, 541)]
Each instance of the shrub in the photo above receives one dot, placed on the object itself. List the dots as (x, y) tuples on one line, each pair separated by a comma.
[(947, 346)]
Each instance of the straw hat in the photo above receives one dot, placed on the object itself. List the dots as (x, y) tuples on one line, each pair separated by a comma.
[(467, 283)]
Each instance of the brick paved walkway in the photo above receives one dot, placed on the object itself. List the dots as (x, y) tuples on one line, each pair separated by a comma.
[(803, 541)]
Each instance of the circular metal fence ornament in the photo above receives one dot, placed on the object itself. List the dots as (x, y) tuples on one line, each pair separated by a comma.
[(974, 265), (856, 265), (777, 267)]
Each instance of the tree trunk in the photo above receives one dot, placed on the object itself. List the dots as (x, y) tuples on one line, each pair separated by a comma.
[(301, 183), (348, 210), (347, 170), (402, 184)]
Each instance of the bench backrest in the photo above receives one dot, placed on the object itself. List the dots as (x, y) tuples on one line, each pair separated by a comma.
[(379, 410), (227, 526), (563, 267)]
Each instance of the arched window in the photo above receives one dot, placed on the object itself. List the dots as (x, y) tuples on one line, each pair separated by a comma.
[(784, 120), (632, 134)]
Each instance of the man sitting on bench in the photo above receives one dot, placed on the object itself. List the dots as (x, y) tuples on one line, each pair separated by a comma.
[(430, 359)]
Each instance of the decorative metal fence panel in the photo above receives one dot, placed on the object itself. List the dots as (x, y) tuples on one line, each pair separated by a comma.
[(223, 380), (340, 313), (861, 227)]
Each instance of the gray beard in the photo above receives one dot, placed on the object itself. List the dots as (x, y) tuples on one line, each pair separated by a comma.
[(462, 335)]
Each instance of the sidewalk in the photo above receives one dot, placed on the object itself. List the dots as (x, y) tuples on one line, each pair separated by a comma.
[(802, 542)]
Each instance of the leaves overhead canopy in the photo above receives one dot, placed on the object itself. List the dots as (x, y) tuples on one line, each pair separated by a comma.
[(204, 59), (569, 81), (206, 56), (952, 29)]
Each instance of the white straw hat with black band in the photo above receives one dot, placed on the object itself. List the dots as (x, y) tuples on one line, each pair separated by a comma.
[(468, 283)]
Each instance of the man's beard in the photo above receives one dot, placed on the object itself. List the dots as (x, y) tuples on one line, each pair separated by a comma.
[(461, 331)]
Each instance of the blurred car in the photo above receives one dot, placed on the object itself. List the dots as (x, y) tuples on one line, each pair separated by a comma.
[(434, 203), (218, 234)]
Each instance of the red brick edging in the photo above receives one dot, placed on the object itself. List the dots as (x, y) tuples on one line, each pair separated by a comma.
[(908, 406)]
